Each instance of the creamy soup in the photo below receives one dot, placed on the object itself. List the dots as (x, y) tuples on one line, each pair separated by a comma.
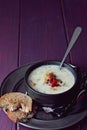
[(49, 79)]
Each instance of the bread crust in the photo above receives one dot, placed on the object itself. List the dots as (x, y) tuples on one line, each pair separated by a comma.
[(14, 100), (17, 105)]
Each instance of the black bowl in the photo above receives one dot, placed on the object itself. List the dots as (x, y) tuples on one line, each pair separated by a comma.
[(52, 99)]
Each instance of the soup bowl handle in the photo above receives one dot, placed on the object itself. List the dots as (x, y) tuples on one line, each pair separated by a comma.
[(81, 98), (83, 80)]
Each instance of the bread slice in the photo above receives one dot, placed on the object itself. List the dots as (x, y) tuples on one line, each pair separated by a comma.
[(17, 105), (15, 100)]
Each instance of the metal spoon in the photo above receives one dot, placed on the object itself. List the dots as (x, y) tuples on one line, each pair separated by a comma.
[(75, 35)]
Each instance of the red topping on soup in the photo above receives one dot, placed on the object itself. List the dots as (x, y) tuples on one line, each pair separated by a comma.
[(52, 80)]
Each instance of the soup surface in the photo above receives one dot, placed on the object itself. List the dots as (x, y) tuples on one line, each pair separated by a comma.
[(49, 79)]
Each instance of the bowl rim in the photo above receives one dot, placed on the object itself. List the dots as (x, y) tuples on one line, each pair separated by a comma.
[(48, 62)]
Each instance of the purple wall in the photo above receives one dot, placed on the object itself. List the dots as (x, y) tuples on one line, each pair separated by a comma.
[(32, 30)]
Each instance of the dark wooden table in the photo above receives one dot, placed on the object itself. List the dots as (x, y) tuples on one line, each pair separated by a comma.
[(32, 30)]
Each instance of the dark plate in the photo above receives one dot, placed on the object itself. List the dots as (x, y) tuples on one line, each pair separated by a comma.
[(15, 82)]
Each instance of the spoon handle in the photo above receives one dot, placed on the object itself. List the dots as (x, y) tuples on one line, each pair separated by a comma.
[(75, 35)]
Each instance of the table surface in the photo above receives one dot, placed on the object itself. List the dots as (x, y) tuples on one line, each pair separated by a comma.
[(34, 30)]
